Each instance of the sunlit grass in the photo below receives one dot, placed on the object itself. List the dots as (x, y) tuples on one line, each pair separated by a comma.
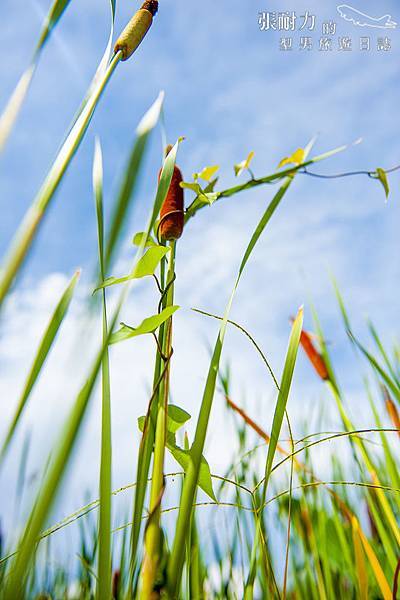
[(291, 534)]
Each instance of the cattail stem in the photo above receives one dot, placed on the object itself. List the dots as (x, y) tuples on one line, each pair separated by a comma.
[(153, 546)]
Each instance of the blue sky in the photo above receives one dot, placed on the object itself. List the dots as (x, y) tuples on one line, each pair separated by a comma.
[(229, 90)]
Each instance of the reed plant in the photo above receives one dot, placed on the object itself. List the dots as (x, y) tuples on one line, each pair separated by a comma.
[(289, 534)]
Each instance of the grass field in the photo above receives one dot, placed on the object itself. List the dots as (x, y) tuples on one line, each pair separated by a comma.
[(275, 529)]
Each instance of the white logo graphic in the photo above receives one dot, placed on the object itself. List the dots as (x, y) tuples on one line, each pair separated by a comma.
[(362, 20)]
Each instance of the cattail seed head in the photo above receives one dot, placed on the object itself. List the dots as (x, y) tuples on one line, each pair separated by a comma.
[(172, 211), (135, 32)]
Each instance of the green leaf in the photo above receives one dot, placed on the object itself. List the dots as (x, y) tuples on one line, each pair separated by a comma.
[(382, 176), (144, 267), (195, 187), (244, 165), (177, 417), (210, 187), (183, 457), (149, 325), (295, 159), (207, 173), (141, 238), (210, 197)]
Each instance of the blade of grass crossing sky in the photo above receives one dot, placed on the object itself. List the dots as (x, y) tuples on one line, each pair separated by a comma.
[(40, 358), (19, 568), (369, 463), (14, 105), (283, 396), (33, 218), (105, 495)]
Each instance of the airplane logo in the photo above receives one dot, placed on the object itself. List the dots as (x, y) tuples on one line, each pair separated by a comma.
[(363, 20)]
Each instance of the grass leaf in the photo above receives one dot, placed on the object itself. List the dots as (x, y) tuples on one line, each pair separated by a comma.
[(126, 194), (283, 395), (43, 350), (105, 491), (27, 231)]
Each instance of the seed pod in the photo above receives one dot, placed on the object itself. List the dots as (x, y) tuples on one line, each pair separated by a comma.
[(172, 211), (135, 32)]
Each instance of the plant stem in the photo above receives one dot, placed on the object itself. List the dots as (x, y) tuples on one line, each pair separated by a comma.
[(153, 532)]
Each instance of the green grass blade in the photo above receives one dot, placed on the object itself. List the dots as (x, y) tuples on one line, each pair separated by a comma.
[(40, 358), (105, 509), (13, 107), (14, 104), (46, 496), (127, 191), (33, 218), (283, 396), (384, 354), (53, 16), (384, 375)]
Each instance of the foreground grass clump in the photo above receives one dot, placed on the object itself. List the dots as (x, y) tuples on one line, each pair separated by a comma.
[(286, 533)]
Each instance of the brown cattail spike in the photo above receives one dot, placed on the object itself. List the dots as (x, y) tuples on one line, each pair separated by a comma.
[(172, 211), (135, 32)]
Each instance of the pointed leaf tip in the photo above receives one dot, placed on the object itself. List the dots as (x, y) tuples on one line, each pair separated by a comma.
[(244, 165), (382, 176)]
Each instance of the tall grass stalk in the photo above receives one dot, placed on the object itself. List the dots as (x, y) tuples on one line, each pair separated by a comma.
[(105, 509)]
